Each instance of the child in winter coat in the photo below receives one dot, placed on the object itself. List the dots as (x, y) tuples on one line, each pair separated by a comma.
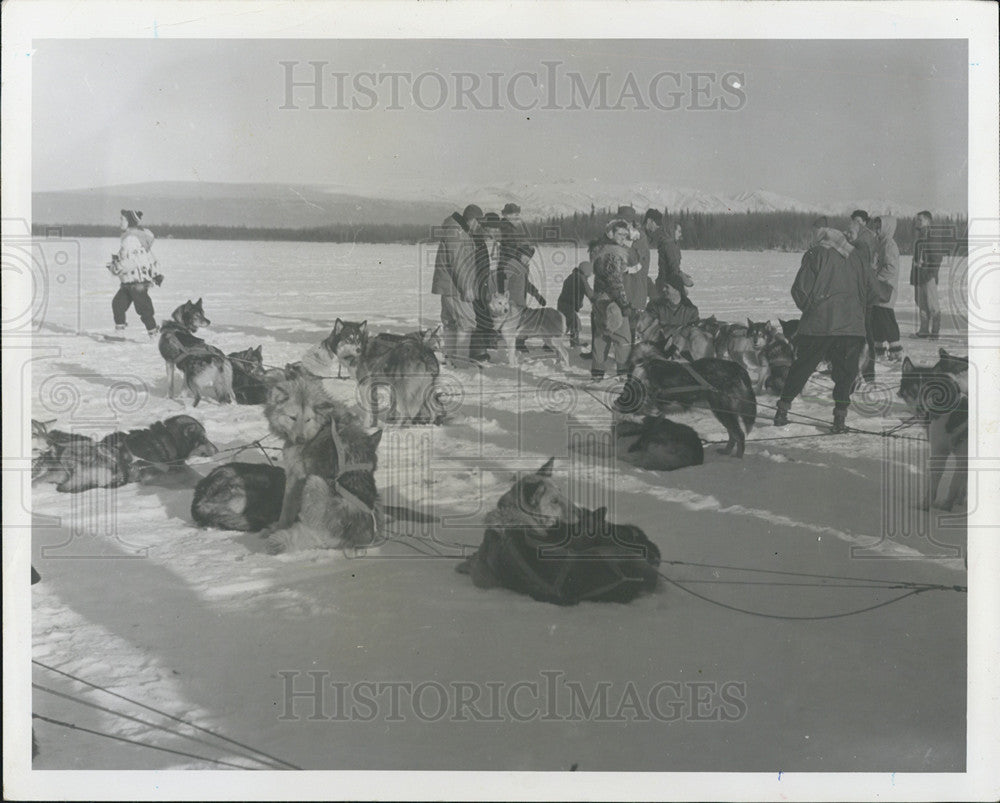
[(136, 268), (575, 288)]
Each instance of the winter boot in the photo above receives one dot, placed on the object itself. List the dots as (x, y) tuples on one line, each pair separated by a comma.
[(895, 352), (121, 327), (596, 375), (781, 416), (839, 422), (153, 332)]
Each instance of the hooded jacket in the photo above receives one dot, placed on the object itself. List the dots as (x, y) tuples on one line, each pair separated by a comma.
[(887, 263), (136, 262), (834, 287), (455, 263), (610, 260)]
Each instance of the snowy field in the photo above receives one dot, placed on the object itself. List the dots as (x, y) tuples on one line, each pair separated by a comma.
[(203, 626)]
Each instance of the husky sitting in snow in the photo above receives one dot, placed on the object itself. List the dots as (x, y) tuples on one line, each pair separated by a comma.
[(330, 499), (516, 324), (204, 366), (936, 397)]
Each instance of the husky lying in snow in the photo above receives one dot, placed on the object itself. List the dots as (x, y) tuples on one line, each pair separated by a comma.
[(538, 543), (658, 444), (528, 322), (204, 367), (78, 463)]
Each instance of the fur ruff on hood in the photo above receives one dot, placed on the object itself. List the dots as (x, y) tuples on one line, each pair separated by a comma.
[(831, 238)]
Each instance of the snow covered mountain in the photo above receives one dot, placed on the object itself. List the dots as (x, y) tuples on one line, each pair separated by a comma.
[(314, 205)]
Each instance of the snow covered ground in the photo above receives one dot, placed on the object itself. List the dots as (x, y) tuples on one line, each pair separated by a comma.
[(202, 625)]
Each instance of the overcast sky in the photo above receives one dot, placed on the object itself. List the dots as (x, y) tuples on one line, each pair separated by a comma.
[(815, 120)]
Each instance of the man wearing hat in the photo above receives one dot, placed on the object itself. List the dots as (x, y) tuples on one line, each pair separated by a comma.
[(455, 279)]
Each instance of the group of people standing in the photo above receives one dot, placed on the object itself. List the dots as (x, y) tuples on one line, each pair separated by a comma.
[(480, 254), (622, 286), (846, 289)]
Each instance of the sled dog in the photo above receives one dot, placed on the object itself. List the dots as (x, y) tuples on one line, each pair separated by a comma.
[(79, 463), (542, 322), (204, 366), (937, 399), (957, 366), (239, 496), (406, 368), (745, 345), (537, 543), (249, 382), (347, 342), (330, 499), (654, 383), (657, 443)]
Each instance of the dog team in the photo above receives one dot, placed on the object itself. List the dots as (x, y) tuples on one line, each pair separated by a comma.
[(325, 493)]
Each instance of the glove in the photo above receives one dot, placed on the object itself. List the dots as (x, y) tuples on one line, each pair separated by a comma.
[(541, 300), (158, 279)]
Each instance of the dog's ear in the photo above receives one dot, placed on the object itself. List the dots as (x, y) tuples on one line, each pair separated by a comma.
[(337, 326), (363, 327), (749, 324), (434, 332), (942, 353), (907, 365), (325, 409), (375, 439), (601, 515), (546, 470), (279, 393), (198, 304)]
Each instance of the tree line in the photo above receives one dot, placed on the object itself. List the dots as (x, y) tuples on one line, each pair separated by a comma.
[(750, 231)]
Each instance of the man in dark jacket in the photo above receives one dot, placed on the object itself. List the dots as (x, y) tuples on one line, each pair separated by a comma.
[(927, 256), (455, 279), (668, 255), (575, 288), (834, 288)]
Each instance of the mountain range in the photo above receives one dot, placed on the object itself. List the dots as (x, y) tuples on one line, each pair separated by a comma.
[(257, 205)]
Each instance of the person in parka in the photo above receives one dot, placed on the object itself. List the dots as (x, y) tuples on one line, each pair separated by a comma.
[(611, 308), (673, 309), (136, 268), (455, 279), (834, 287)]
